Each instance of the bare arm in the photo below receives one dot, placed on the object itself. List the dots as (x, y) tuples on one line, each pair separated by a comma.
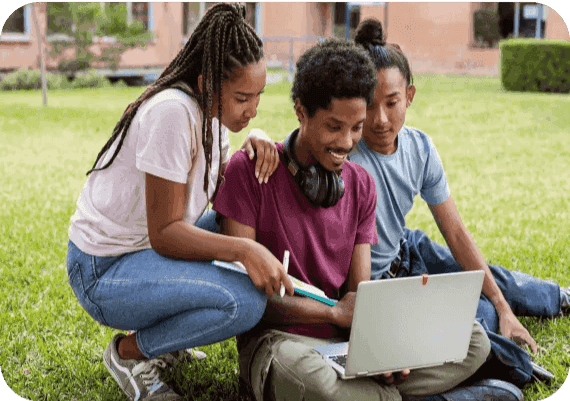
[(467, 254), (291, 310), (171, 236)]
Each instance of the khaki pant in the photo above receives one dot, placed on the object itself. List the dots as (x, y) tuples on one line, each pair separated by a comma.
[(283, 366)]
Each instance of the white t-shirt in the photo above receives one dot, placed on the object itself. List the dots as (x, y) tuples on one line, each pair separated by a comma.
[(165, 140)]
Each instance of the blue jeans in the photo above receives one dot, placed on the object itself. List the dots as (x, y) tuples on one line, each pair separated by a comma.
[(172, 304), (525, 294)]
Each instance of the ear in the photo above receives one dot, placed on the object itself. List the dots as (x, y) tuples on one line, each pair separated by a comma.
[(410, 93), (300, 111), (200, 83)]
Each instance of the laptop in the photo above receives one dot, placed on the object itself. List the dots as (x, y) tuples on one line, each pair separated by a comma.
[(408, 323)]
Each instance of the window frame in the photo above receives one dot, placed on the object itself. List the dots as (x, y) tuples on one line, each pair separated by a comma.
[(25, 36)]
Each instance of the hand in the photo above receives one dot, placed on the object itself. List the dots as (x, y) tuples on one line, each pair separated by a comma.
[(512, 329), (397, 378), (266, 272), (257, 142), (343, 310)]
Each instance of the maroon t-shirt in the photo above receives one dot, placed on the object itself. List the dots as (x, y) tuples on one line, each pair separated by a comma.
[(320, 240)]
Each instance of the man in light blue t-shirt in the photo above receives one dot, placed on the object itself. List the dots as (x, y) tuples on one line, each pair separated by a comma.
[(404, 163)]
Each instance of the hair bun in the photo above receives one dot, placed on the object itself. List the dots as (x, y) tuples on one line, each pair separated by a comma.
[(370, 32)]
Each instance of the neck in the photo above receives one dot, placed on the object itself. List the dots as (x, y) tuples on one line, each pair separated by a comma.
[(300, 149), (382, 149)]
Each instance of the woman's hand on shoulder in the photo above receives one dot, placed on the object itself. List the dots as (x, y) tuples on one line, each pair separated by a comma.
[(259, 144)]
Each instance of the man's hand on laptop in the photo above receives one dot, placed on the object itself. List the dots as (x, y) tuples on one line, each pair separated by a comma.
[(389, 378), (343, 310)]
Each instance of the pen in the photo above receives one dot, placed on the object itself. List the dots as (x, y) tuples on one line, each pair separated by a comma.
[(286, 266)]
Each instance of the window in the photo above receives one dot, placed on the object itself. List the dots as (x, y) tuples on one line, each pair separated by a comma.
[(15, 22), (250, 15), (496, 21), (340, 17), (191, 17), (18, 22), (140, 13)]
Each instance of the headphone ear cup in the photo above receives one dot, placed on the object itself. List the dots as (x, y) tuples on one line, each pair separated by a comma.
[(311, 184), (339, 187), (321, 186), (330, 190)]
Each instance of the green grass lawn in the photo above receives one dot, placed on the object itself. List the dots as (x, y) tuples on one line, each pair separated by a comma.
[(507, 156)]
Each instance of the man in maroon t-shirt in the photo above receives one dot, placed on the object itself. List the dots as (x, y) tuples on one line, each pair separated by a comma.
[(321, 208)]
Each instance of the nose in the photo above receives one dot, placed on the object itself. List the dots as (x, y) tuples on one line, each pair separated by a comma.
[(251, 110), (347, 139), (380, 117)]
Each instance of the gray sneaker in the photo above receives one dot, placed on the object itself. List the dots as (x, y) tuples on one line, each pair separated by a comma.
[(173, 358), (139, 380)]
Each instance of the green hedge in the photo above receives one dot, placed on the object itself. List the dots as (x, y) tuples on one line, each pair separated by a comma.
[(26, 78), (535, 65)]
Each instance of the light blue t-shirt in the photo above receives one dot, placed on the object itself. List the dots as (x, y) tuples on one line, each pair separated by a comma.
[(415, 168)]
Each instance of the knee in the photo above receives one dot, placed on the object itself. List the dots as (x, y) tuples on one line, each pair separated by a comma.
[(479, 348), (251, 308)]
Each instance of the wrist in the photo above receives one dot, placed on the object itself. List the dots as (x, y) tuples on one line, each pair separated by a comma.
[(502, 308), (332, 315), (244, 246)]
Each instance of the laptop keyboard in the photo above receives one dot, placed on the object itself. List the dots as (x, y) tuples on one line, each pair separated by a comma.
[(340, 359)]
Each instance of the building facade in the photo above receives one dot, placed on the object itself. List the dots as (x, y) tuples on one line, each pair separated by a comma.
[(437, 37)]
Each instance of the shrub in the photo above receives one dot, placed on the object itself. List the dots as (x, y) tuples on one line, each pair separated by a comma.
[(89, 80), (537, 65), (26, 78)]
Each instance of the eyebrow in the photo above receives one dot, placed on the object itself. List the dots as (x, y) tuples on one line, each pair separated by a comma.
[(336, 121), (393, 94), (248, 93)]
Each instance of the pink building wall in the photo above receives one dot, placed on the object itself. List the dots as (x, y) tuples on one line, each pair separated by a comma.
[(437, 37)]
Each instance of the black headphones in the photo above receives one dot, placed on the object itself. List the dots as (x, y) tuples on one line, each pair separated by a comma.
[(322, 187)]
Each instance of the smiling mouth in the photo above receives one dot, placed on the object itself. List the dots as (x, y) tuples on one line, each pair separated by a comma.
[(339, 157)]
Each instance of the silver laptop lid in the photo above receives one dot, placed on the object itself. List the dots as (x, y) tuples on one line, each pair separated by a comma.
[(404, 323)]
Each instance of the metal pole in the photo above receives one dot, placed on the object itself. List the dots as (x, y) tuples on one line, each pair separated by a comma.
[(386, 20), (41, 54), (538, 33), (517, 20), (347, 9), (291, 55)]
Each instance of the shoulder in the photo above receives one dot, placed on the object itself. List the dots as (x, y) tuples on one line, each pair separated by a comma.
[(170, 103), (355, 175), (239, 163), (415, 138)]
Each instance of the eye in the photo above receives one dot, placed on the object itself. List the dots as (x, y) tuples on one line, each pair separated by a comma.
[(333, 127), (241, 100), (392, 104)]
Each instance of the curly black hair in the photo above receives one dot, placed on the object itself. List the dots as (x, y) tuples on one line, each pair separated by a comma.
[(333, 69), (370, 35), (221, 42)]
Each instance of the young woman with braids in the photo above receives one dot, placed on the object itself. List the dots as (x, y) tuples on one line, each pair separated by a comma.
[(141, 239)]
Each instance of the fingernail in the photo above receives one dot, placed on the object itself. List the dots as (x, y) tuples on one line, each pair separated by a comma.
[(257, 174), (266, 178)]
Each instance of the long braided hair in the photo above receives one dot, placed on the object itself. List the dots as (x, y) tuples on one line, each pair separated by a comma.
[(222, 41)]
